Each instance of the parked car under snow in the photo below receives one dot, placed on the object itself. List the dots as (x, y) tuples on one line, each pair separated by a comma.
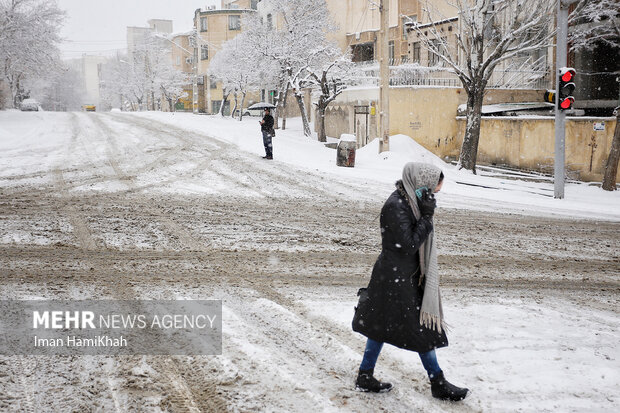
[(29, 105)]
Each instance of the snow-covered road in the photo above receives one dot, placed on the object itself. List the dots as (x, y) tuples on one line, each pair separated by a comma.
[(120, 206)]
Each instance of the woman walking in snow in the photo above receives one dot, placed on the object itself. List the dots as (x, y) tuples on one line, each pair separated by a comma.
[(402, 304)]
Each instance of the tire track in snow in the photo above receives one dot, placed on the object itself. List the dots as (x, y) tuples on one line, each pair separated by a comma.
[(194, 379), (211, 152), (80, 227), (409, 389), (112, 150), (298, 349), (22, 367), (273, 173), (86, 128), (236, 164), (94, 165), (169, 155)]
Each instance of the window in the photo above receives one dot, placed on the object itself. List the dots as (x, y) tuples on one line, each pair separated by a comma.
[(234, 22), (408, 19), (212, 83), (269, 21), (254, 4), (203, 24), (433, 59), (178, 60), (362, 52), (416, 53), (391, 50), (204, 52)]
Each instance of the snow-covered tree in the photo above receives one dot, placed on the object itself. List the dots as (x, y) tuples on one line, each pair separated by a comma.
[(60, 89), (149, 78), (219, 70), (490, 32), (239, 68), (296, 41), (594, 23), (165, 80), (329, 80), (123, 80), (150, 58), (172, 84), (29, 38)]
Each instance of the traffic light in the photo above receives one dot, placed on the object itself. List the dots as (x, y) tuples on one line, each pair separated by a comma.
[(566, 87)]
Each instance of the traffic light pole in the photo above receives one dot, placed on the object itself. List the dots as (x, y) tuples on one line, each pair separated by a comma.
[(561, 51), (384, 82), (560, 116)]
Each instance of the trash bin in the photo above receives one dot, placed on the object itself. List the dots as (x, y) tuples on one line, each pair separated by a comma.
[(345, 153)]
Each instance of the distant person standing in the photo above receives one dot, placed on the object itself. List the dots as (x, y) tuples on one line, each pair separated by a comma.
[(266, 127)]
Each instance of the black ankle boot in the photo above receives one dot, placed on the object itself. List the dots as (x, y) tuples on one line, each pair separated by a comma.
[(442, 389), (367, 383)]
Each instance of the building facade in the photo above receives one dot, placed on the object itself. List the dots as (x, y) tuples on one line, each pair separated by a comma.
[(181, 56), (89, 68), (359, 24), (137, 36), (214, 28)]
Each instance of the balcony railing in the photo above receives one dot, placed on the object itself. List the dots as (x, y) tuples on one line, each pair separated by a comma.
[(412, 74)]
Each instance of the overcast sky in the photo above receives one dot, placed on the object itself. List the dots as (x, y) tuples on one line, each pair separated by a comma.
[(99, 27)]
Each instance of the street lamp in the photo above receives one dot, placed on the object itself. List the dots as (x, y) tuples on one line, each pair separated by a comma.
[(121, 94)]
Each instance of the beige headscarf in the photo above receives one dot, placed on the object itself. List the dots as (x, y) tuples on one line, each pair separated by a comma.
[(416, 176)]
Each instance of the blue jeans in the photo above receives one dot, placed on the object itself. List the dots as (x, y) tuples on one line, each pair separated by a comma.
[(267, 143), (373, 348)]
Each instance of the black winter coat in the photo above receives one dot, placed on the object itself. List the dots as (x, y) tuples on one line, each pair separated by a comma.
[(267, 123), (389, 309)]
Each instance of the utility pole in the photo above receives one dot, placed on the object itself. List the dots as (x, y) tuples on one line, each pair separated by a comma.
[(195, 56), (559, 170), (384, 70), (118, 59)]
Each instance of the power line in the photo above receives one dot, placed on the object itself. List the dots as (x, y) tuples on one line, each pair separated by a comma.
[(94, 41), (93, 51)]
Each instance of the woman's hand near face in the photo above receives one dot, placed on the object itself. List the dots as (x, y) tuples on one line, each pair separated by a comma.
[(427, 203)]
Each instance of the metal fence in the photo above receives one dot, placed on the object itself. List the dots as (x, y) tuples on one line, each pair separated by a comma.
[(520, 79), (408, 74)]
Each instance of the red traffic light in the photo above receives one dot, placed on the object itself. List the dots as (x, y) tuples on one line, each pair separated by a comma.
[(567, 74), (567, 103), (566, 87)]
